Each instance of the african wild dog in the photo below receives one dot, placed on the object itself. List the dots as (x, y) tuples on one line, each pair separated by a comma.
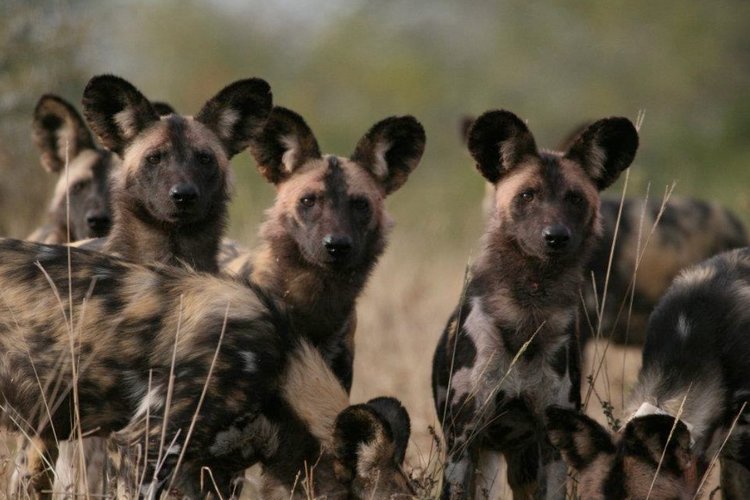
[(510, 348), (688, 231), (147, 342), (328, 226), (170, 198), (696, 357), (63, 138)]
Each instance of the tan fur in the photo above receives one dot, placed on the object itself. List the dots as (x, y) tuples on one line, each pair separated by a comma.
[(314, 392)]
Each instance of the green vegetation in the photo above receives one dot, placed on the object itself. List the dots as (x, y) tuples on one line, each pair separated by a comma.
[(344, 65)]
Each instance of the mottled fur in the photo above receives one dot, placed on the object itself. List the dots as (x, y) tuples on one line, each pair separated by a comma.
[(64, 140), (696, 358), (510, 349), (143, 341), (688, 232), (328, 226)]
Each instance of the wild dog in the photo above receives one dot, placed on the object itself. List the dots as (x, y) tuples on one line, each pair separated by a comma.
[(63, 139), (510, 348), (687, 232), (695, 367), (170, 197), (187, 369), (328, 226)]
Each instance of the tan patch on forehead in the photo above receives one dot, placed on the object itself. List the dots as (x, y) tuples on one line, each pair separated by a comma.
[(157, 137), (360, 181), (576, 178), (310, 179), (79, 169), (523, 176)]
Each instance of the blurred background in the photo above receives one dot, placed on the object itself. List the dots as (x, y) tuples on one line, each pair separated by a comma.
[(345, 64)]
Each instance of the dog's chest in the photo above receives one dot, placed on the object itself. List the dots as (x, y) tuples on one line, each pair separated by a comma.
[(536, 375)]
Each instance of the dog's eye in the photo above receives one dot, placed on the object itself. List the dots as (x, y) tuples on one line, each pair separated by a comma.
[(360, 204), (575, 198), (307, 201), (526, 196), (78, 186), (154, 158), (205, 158)]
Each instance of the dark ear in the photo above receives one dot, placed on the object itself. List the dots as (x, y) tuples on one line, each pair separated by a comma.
[(285, 144), (162, 108), (604, 149), (391, 149), (464, 125), (391, 410), (237, 113), (650, 434), (59, 130), (498, 141), (579, 438), (363, 440), (116, 111)]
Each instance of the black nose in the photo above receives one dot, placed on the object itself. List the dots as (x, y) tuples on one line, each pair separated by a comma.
[(556, 236), (337, 246), (98, 221), (183, 194)]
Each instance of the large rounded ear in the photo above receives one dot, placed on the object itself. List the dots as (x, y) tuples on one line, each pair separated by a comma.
[(393, 412), (579, 438), (364, 440), (116, 111), (650, 435), (59, 132), (285, 144), (237, 113), (391, 149), (604, 149), (162, 108), (498, 141)]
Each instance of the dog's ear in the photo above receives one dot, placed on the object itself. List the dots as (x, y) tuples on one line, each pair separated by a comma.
[(604, 149), (645, 439), (285, 144), (238, 113), (391, 149), (59, 132), (162, 108), (579, 438), (498, 141), (393, 412), (369, 443), (116, 111)]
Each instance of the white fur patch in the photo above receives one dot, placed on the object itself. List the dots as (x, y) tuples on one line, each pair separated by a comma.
[(126, 121), (380, 165), (251, 361), (228, 118), (152, 401), (598, 157), (683, 326), (291, 156)]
